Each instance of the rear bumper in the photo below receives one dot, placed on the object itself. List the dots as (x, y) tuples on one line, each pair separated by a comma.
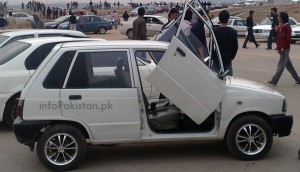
[(27, 132), (282, 124)]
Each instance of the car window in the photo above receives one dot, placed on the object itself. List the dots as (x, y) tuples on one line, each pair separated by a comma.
[(62, 19), (3, 38), (58, 73), (292, 22), (266, 22), (100, 70), (19, 38), (49, 35), (10, 51), (86, 19), (239, 23), (23, 15), (96, 18), (37, 56), (146, 56), (157, 21)]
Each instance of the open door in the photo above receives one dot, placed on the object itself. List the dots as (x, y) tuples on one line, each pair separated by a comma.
[(187, 82)]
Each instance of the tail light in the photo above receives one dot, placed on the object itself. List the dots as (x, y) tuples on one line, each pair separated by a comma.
[(20, 108)]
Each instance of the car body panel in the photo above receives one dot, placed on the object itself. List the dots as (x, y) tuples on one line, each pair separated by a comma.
[(154, 24), (239, 25), (22, 17)]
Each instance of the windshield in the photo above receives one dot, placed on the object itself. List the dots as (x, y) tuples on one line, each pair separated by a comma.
[(11, 50), (3, 38), (163, 19), (266, 21), (61, 19)]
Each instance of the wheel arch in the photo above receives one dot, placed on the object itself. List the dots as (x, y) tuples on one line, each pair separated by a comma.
[(253, 113), (7, 101)]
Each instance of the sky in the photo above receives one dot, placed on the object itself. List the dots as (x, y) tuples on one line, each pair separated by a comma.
[(17, 2)]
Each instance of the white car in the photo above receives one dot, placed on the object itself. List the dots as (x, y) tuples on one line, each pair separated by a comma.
[(19, 34), (239, 25), (154, 25), (239, 4), (21, 17), (262, 30), (295, 34), (250, 3), (66, 105), (18, 61), (134, 12), (295, 1)]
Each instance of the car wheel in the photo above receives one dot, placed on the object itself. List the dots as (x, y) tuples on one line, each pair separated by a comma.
[(249, 138), (293, 42), (61, 147), (102, 30), (10, 112), (129, 34)]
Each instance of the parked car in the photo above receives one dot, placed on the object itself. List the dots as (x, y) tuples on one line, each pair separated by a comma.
[(92, 23), (200, 104), (221, 5), (250, 3), (262, 30), (239, 4), (18, 62), (134, 12), (162, 8), (295, 1), (153, 9), (21, 17), (239, 25), (153, 24), (19, 34), (54, 24), (295, 34)]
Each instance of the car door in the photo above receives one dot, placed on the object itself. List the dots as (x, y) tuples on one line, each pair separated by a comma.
[(187, 81), (100, 92), (240, 26), (87, 24), (154, 25)]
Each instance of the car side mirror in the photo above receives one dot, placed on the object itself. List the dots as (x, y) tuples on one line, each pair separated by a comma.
[(222, 75)]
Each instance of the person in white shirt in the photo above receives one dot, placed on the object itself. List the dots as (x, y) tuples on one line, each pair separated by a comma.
[(109, 17), (186, 23)]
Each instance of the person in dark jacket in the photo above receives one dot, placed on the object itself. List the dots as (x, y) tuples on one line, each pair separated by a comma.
[(125, 16), (139, 26), (249, 23), (275, 23), (49, 13), (227, 42), (198, 29), (284, 32)]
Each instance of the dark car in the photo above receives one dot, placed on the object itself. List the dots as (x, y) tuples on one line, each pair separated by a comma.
[(221, 5), (92, 23), (54, 24)]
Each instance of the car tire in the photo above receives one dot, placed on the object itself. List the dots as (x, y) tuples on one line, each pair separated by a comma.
[(10, 111), (293, 42), (129, 33), (59, 137), (102, 30), (249, 137)]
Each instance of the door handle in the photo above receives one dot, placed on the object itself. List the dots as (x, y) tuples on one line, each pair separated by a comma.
[(75, 97), (180, 51)]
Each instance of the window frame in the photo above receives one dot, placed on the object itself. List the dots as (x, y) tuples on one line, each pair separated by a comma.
[(127, 50)]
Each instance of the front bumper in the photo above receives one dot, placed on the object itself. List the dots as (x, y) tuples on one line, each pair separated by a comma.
[(282, 124), (27, 132)]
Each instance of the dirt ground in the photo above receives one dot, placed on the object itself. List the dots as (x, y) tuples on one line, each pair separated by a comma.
[(260, 12)]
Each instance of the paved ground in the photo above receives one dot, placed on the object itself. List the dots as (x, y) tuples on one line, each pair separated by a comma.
[(254, 64)]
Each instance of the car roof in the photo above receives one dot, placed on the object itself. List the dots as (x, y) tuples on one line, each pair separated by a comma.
[(121, 44), (56, 39), (45, 31)]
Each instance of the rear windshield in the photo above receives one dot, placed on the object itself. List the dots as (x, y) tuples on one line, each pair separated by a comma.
[(3, 38), (11, 50)]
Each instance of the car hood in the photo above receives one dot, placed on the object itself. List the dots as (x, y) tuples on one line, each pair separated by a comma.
[(235, 81), (263, 27), (297, 28)]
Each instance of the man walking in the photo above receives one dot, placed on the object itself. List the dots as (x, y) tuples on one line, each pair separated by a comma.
[(72, 22), (139, 26), (249, 23), (81, 21), (283, 45), (273, 18), (227, 42), (11, 21)]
